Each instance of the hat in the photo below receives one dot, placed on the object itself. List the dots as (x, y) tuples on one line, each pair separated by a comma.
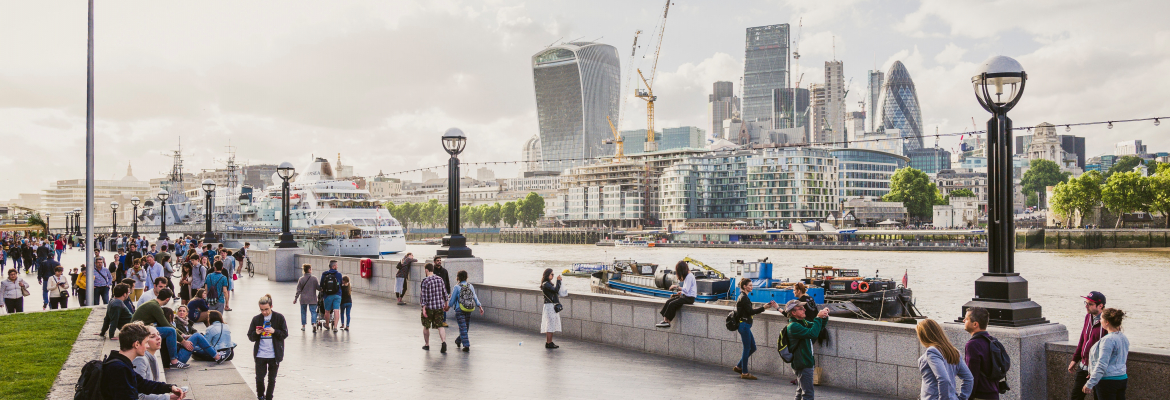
[(1095, 297), (792, 305)]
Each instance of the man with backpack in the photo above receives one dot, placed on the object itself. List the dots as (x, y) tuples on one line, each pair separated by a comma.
[(115, 379), (331, 288), (985, 357), (464, 301), (1091, 333), (217, 286), (797, 338)]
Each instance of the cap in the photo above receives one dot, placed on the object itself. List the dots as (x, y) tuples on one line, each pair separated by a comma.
[(792, 305), (1095, 297)]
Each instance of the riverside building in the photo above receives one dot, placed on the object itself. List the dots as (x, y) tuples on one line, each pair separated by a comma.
[(863, 173), (792, 184), (711, 186)]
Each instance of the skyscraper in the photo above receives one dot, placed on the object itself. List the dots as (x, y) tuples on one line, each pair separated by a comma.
[(577, 85), (765, 68), (835, 102), (722, 104), (874, 97), (791, 111), (820, 101), (900, 107)]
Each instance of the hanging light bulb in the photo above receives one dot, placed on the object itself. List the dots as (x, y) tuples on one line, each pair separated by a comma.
[(1157, 122), (1068, 128), (1110, 124)]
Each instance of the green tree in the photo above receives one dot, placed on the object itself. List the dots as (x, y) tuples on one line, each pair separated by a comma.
[(1033, 200), (1127, 163), (1088, 193), (1063, 198), (509, 213), (35, 220), (1126, 192), (915, 191), (1160, 192), (492, 214), (1040, 175), (960, 193), (531, 209), (473, 215), (434, 213)]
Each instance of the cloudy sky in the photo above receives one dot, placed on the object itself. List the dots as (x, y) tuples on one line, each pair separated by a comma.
[(379, 81)]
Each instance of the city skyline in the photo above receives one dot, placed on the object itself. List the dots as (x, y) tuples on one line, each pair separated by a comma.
[(308, 78)]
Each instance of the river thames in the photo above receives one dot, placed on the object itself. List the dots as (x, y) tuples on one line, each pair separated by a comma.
[(942, 281)]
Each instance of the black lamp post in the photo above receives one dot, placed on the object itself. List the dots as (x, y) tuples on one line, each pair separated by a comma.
[(1002, 291), (454, 244), (285, 172), (68, 223), (209, 188), (114, 206), (77, 220), (134, 221), (163, 195)]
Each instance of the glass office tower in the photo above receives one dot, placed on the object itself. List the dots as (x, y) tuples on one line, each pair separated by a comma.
[(577, 85), (765, 68), (900, 107)]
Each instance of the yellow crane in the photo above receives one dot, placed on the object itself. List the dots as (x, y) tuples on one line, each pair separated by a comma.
[(617, 139), (704, 267), (648, 93)]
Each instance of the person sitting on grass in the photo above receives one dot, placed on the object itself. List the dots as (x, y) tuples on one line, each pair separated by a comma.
[(119, 381), (117, 314)]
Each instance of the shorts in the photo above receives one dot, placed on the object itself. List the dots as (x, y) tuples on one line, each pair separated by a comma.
[(332, 302), (434, 319)]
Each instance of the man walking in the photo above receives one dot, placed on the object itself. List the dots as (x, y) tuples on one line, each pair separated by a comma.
[(217, 286), (154, 270), (44, 273), (801, 334), (433, 296), (198, 274), (978, 355), (1090, 334), (331, 288)]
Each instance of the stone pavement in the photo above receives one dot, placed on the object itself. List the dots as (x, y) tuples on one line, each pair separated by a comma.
[(381, 357)]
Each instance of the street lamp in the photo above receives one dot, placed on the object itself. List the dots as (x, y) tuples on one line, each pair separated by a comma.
[(114, 206), (163, 195), (48, 217), (285, 172), (454, 244), (209, 188), (1002, 291), (77, 220), (134, 221), (68, 223)]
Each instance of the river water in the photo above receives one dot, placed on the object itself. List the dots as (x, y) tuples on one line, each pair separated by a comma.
[(942, 281)]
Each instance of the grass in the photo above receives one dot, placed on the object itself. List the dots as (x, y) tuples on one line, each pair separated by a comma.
[(33, 347)]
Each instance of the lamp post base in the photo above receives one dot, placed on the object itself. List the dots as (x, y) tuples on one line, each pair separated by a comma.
[(210, 238), (454, 246), (286, 241), (1005, 296)]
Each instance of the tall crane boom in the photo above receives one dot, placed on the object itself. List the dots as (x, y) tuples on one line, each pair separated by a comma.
[(617, 139), (648, 94)]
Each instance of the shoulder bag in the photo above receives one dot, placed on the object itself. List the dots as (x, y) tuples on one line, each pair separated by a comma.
[(23, 288), (557, 306)]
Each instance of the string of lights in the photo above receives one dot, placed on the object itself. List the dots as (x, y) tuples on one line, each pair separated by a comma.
[(1067, 128)]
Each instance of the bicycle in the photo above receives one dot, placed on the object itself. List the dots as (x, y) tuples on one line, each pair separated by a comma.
[(251, 268)]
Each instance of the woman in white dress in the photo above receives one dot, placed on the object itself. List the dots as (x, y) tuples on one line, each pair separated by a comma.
[(551, 320)]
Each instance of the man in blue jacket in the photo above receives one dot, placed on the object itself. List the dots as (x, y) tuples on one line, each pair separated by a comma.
[(119, 381)]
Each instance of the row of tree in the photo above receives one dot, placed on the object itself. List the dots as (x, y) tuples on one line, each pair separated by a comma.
[(525, 212), (1120, 193), (918, 194)]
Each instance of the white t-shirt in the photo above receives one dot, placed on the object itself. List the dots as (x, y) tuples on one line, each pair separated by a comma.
[(688, 286)]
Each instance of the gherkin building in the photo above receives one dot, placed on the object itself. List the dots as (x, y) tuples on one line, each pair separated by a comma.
[(900, 108)]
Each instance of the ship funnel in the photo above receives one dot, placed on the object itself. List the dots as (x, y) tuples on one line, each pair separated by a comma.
[(318, 170)]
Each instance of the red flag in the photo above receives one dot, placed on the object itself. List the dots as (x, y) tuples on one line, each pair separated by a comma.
[(905, 278)]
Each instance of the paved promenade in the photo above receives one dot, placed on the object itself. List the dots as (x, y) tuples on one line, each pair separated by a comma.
[(381, 357)]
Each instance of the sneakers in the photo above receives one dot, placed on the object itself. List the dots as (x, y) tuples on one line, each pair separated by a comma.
[(180, 365), (466, 349), (458, 343), (737, 370), (444, 348), (749, 377), (314, 328), (302, 328), (551, 345), (427, 348), (663, 324), (222, 354)]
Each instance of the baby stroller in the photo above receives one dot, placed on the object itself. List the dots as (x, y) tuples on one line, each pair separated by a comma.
[(322, 320)]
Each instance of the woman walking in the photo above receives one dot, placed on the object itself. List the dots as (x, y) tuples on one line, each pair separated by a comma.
[(185, 282), (550, 320), (80, 285), (940, 365), (1107, 374), (464, 300), (13, 290), (58, 289), (745, 313), (307, 289), (685, 293), (269, 333), (346, 303)]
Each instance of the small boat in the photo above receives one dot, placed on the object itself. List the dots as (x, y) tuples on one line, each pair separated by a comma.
[(584, 269), (629, 277), (876, 298)]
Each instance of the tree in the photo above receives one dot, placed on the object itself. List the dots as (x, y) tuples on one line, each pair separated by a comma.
[(1160, 192), (1126, 192), (434, 213), (1040, 175), (1033, 200), (1088, 193), (474, 215), (1062, 200), (509, 213), (916, 192), (531, 209), (35, 220), (1127, 163), (960, 193), (492, 214)]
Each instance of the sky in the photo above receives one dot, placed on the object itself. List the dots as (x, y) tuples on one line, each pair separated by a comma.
[(379, 81)]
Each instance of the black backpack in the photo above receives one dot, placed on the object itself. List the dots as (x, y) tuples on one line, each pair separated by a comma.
[(329, 284), (732, 321), (999, 364), (89, 384)]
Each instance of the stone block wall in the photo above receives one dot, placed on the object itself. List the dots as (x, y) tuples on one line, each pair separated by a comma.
[(1147, 370)]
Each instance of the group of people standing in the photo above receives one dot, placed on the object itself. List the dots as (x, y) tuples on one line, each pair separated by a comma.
[(330, 296)]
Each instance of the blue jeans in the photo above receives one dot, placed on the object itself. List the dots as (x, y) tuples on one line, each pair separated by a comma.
[(103, 293), (749, 345), (59, 254), (203, 349), (168, 339), (307, 308), (345, 319), (45, 291), (464, 320)]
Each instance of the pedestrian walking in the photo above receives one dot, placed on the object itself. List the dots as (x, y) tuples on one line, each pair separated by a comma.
[(14, 289), (346, 303), (1107, 358), (217, 286), (307, 288), (331, 289), (58, 286), (744, 312), (185, 282), (464, 300), (941, 365), (119, 381), (978, 355), (1091, 333), (269, 333), (550, 320), (44, 273), (684, 293), (79, 283), (801, 331), (59, 247), (433, 296), (198, 273), (401, 276), (141, 279)]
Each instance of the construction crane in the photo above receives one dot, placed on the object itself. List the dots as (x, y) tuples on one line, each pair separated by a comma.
[(617, 139), (620, 155), (648, 93)]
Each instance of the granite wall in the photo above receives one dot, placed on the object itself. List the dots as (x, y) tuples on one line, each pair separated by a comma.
[(1148, 370)]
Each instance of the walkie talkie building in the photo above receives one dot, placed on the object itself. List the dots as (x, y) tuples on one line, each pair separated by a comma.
[(578, 85)]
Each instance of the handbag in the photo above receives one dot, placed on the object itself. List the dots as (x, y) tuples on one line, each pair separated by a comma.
[(24, 291), (557, 307)]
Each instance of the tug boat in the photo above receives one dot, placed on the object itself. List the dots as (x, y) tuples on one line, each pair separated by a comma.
[(876, 298), (629, 277)]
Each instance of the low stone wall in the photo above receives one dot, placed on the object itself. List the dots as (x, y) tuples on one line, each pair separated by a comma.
[(1147, 370)]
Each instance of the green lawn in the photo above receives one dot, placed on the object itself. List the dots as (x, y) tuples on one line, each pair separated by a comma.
[(32, 349)]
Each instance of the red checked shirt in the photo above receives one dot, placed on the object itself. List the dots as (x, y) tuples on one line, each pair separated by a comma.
[(433, 293)]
